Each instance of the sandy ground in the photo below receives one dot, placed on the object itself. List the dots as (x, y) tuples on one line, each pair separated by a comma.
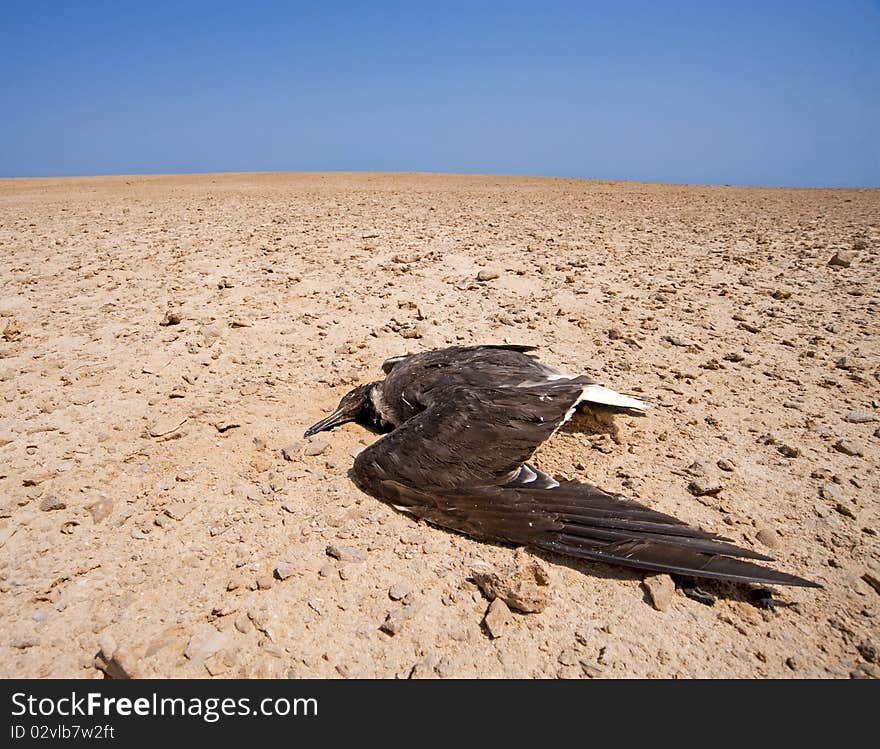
[(147, 509)]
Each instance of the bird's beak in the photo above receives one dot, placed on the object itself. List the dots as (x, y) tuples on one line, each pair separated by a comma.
[(333, 420)]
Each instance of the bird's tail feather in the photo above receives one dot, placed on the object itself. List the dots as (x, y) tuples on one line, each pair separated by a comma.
[(593, 524), (607, 397)]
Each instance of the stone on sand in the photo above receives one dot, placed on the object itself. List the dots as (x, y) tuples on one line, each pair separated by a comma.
[(523, 586), (661, 589), (497, 618)]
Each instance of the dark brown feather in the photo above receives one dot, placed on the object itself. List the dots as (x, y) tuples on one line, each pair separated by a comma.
[(458, 463)]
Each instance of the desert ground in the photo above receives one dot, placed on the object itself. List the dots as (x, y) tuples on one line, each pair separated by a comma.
[(165, 341)]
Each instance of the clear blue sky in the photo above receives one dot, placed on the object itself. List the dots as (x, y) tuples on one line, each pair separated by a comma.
[(772, 93)]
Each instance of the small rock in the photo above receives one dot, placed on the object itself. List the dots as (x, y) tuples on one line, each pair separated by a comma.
[(842, 259), (661, 589), (696, 469), (101, 510), (831, 492), (702, 487), (107, 645), (327, 569), (238, 322), (487, 275), (726, 465), (873, 580), (24, 642), (767, 536), (242, 623), (860, 417), (216, 665), (868, 651), (680, 341), (789, 451), (12, 331), (426, 668), (396, 620), (315, 448), (849, 447), (237, 582), (122, 665), (415, 331), (165, 425), (260, 463), (265, 581), (177, 511), (52, 503), (224, 425), (844, 510), (284, 570), (497, 618), (172, 317), (205, 641), (346, 553), (399, 591), (289, 452), (524, 586), (37, 479)]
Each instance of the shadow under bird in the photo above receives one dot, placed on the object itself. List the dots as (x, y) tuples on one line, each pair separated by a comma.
[(461, 424)]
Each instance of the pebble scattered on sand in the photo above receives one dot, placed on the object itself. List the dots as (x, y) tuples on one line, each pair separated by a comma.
[(849, 447), (399, 591), (165, 425), (497, 618), (50, 504), (661, 589), (701, 487), (396, 620), (319, 447), (172, 317), (523, 586), (861, 417), (346, 553), (842, 259), (283, 570), (767, 536)]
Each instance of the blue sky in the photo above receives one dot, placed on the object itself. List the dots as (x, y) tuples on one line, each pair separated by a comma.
[(773, 93)]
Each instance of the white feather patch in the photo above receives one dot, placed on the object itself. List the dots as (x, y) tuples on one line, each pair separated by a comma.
[(608, 397)]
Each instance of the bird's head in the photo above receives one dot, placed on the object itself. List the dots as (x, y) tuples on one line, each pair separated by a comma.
[(349, 409)]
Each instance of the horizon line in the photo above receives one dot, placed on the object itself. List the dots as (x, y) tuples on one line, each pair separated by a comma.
[(121, 175)]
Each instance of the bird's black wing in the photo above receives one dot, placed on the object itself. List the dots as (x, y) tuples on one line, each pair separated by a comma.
[(461, 464), (389, 364)]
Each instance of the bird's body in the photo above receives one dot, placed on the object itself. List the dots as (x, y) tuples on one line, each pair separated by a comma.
[(463, 423)]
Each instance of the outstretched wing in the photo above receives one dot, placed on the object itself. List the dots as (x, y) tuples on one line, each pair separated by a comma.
[(461, 464)]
